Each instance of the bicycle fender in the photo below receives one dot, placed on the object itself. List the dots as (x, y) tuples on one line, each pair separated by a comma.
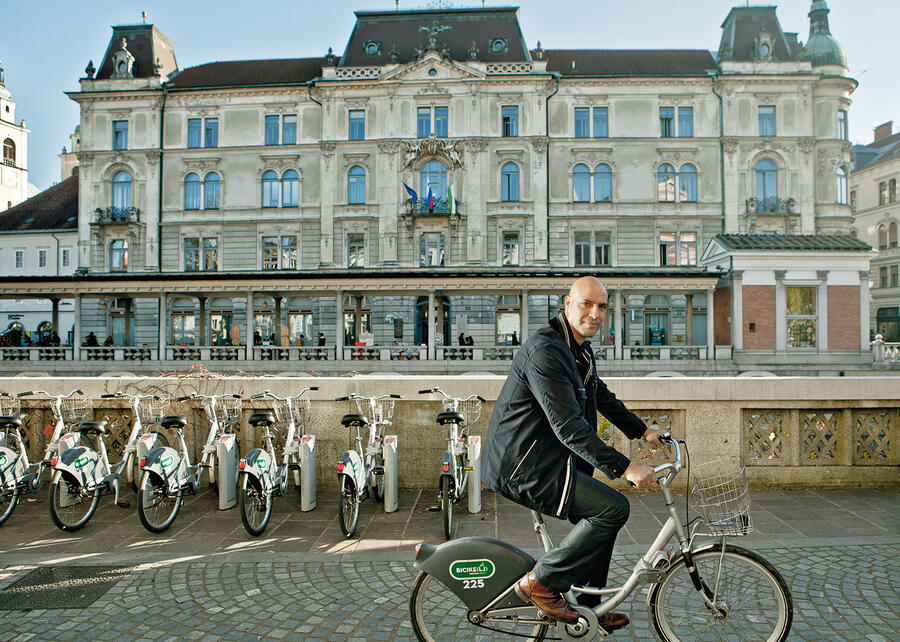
[(353, 466), (476, 569), (145, 443), (12, 468), (258, 464), (168, 464), (450, 462), (83, 465)]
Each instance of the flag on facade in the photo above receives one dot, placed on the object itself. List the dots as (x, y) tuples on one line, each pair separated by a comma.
[(451, 200), (412, 193), (430, 199)]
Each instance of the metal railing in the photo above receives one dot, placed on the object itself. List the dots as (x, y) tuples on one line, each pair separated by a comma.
[(885, 353), (438, 206), (114, 215), (770, 205)]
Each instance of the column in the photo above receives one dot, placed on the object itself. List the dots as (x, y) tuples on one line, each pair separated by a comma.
[(76, 329), (430, 325), (737, 311), (689, 319), (822, 311), (54, 315), (523, 329), (201, 330), (251, 321), (864, 319), (277, 324), (126, 341), (619, 324), (339, 329), (780, 311), (710, 325), (161, 330)]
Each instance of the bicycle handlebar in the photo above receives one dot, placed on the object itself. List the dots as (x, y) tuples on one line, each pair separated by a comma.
[(446, 396), (76, 391), (428, 391), (353, 396)]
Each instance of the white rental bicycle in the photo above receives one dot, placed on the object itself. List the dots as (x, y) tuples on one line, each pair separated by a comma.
[(697, 591), (167, 473), (17, 474), (260, 477), (361, 472), (146, 411)]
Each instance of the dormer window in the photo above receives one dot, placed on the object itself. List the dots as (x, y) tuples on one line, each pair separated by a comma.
[(763, 46), (123, 61), (372, 48), (499, 45)]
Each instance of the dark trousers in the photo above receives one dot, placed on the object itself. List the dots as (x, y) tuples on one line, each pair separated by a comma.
[(584, 554)]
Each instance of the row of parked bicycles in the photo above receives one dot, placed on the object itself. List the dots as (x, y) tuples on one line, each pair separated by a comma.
[(161, 473)]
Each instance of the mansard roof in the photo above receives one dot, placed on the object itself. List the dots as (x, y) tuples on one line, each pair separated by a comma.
[(55, 208), (792, 242), (744, 24), (627, 62), (286, 71), (882, 150), (149, 46), (405, 31)]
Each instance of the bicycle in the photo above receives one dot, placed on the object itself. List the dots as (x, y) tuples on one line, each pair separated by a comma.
[(146, 411), (260, 478), (696, 592), (167, 473), (458, 416), (361, 472), (17, 474)]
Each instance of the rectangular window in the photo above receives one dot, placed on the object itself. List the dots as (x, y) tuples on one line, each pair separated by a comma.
[(602, 248), (801, 317), (118, 256), (195, 260), (895, 275), (271, 130), (289, 129), (687, 248), (510, 115), (356, 250), (883, 277), (211, 132), (582, 248), (582, 122), (431, 249), (66, 257), (423, 122), (279, 253), (667, 248), (441, 121), (685, 122), (270, 253), (601, 122), (677, 248), (767, 120), (42, 257), (892, 190), (882, 192), (191, 255), (211, 254), (183, 328), (510, 250), (120, 134), (288, 252), (853, 200), (666, 122), (843, 134), (357, 124), (195, 132)]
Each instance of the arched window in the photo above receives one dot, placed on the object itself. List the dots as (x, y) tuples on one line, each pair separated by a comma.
[(766, 186), (882, 237), (192, 192), (843, 187), (603, 183), (892, 235), (356, 185), (121, 190), (211, 185), (434, 175), (290, 188), (665, 183), (581, 183), (687, 183), (509, 182), (269, 189), (9, 152)]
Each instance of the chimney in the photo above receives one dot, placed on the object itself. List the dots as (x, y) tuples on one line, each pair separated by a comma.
[(884, 130)]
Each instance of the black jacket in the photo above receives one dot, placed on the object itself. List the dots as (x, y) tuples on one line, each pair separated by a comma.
[(544, 424)]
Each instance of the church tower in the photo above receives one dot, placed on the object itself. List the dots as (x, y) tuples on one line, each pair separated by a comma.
[(14, 161)]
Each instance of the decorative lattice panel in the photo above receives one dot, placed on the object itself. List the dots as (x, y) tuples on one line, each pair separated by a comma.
[(820, 432), (874, 433), (642, 451), (766, 438), (118, 425)]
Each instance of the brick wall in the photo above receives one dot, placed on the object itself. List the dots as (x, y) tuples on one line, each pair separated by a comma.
[(759, 310), (722, 316), (843, 317)]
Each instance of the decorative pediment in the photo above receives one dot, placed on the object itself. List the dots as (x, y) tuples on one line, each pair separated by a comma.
[(444, 148), (432, 66), (202, 164)]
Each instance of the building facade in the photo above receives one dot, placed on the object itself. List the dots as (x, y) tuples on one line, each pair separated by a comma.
[(440, 184)]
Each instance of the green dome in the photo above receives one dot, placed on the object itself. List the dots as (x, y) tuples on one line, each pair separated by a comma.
[(823, 49)]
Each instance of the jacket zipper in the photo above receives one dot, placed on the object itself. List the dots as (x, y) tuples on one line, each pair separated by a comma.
[(516, 469), (565, 492)]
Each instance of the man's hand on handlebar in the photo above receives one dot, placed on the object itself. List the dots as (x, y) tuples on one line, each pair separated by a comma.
[(652, 435), (640, 475)]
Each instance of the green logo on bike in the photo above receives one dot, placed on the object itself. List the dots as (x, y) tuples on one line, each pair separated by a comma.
[(261, 464), (2, 460), (471, 569), (166, 462), (80, 462)]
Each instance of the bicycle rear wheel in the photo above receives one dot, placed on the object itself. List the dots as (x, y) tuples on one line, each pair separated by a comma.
[(157, 508), (447, 491), (256, 505), (70, 505), (438, 614), (8, 500), (348, 510), (753, 599)]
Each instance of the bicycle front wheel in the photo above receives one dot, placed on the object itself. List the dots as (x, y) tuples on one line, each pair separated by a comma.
[(256, 505), (437, 614), (71, 506), (348, 511), (753, 602), (8, 500), (450, 523), (157, 508)]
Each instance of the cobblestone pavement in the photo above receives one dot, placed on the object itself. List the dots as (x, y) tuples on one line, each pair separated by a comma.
[(207, 579)]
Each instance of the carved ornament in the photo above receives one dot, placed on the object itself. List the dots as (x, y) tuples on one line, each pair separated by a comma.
[(432, 146)]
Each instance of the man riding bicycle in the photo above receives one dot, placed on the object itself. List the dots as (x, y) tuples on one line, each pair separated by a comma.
[(542, 448)]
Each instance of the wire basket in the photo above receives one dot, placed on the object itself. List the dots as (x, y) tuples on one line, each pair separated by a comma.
[(721, 496), (9, 406), (151, 410), (300, 409), (470, 409), (228, 410), (77, 409), (384, 410)]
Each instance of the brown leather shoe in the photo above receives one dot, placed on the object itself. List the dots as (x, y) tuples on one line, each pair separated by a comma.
[(550, 602), (613, 621)]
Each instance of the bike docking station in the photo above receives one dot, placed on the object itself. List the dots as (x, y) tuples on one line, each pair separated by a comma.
[(307, 473), (391, 491), (473, 449), (226, 474)]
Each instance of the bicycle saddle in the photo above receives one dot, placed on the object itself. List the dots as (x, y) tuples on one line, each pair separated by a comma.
[(91, 427), (450, 417), (354, 420), (262, 417), (173, 421), (12, 421)]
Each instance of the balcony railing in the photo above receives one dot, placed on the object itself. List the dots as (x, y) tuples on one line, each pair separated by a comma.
[(438, 207), (771, 205), (117, 215)]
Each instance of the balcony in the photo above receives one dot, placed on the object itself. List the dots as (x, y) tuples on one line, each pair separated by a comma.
[(117, 215), (438, 207), (771, 205)]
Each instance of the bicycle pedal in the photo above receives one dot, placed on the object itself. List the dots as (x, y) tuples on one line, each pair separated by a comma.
[(123, 504), (204, 465), (379, 470), (293, 466)]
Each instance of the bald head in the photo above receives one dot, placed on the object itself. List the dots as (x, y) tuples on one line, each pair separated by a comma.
[(586, 307)]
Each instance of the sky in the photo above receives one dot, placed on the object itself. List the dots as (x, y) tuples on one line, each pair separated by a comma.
[(46, 44)]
